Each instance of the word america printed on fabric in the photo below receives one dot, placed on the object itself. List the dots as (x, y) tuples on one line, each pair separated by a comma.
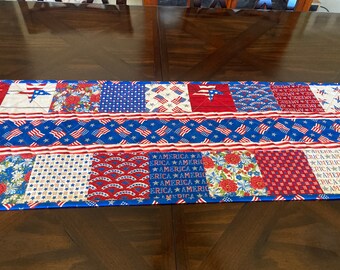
[(101, 143)]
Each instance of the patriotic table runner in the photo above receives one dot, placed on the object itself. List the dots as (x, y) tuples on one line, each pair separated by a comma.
[(101, 143)]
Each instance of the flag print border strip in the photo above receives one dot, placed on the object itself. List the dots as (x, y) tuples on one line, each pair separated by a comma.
[(84, 204)]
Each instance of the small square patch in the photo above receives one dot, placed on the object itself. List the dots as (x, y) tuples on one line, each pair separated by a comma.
[(287, 173), (177, 176), (211, 98), (167, 98), (15, 172), (57, 178), (326, 167), (122, 97), (252, 97), (28, 98), (76, 97), (233, 174), (328, 96), (122, 176), (296, 98)]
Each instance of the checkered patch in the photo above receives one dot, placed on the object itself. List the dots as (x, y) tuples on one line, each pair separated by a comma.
[(287, 173)]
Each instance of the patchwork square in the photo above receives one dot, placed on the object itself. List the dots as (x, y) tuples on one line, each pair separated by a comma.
[(15, 172), (76, 97), (175, 176), (328, 96), (57, 178), (211, 98), (252, 97), (167, 98), (3, 90), (233, 174), (28, 98), (122, 176), (287, 173), (296, 98), (326, 167), (122, 97)]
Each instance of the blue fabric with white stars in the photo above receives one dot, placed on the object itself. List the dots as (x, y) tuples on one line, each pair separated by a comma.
[(122, 97)]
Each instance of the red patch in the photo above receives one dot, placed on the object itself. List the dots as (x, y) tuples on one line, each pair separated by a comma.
[(122, 176), (2, 158), (296, 98), (208, 162), (211, 98), (3, 188), (228, 185), (26, 156), (27, 176), (287, 173), (95, 98), (71, 100), (3, 91), (232, 159)]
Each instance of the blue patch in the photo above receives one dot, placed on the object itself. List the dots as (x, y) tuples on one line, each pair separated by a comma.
[(176, 176), (122, 97)]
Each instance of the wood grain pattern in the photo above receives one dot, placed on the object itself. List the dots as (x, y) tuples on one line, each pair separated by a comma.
[(142, 43), (303, 5)]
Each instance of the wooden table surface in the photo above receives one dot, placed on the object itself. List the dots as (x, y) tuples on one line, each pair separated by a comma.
[(150, 43)]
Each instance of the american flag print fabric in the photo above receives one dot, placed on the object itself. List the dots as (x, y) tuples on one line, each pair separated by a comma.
[(167, 98), (111, 143)]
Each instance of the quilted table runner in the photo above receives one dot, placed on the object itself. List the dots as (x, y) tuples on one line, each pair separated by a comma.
[(101, 143)]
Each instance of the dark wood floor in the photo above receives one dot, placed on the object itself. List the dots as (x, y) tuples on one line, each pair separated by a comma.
[(179, 44)]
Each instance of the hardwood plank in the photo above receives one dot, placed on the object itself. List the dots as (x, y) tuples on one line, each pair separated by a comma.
[(213, 62), (95, 239), (233, 248)]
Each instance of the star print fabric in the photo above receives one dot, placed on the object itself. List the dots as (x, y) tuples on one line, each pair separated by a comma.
[(123, 97)]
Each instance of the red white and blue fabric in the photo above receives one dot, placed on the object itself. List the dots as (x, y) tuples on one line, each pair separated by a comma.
[(101, 143)]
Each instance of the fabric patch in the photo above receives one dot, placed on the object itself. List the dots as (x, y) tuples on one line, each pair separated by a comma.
[(123, 176), (122, 97), (177, 175), (296, 98), (15, 172), (3, 90), (328, 96), (167, 98), (287, 173), (76, 97), (134, 131), (233, 174), (28, 97), (326, 167), (211, 98), (253, 97), (57, 178)]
